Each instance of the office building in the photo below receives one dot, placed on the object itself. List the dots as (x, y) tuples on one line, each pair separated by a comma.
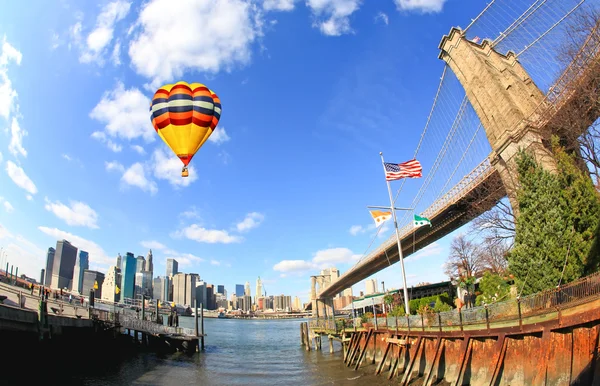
[(42, 276), (128, 276), (112, 281), (371, 287), (221, 290), (239, 290), (64, 263), (162, 288), (184, 288), (259, 290), (172, 267), (119, 264), (201, 294), (81, 264), (149, 263), (143, 284), (90, 279), (247, 289), (49, 265), (140, 264), (297, 306), (210, 297)]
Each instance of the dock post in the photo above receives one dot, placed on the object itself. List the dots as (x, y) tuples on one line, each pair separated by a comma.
[(196, 324), (330, 337), (202, 326), (301, 334)]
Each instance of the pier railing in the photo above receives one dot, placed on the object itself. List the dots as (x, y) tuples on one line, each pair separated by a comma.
[(154, 328), (523, 310)]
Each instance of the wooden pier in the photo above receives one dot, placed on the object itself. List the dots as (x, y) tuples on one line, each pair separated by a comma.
[(550, 338)]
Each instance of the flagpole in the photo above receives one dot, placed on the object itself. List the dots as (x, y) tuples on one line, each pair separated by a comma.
[(401, 258)]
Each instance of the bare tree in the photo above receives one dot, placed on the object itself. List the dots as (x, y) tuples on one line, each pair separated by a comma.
[(493, 256), (496, 226), (464, 259)]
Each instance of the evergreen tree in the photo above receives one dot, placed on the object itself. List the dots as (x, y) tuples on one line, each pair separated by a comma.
[(559, 215)]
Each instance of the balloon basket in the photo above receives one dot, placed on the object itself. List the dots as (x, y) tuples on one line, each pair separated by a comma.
[(184, 172)]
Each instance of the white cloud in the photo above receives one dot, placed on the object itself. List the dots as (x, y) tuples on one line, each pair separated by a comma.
[(135, 175), (8, 95), (7, 205), (16, 139), (29, 197), (0, 157), (327, 257), (168, 167), (190, 213), (219, 136), (278, 5), (55, 41), (215, 262), (333, 16), (17, 174), (28, 256), (163, 49), (125, 114), (182, 258), (76, 214), (114, 165), (252, 220), (356, 229), (383, 17), (138, 149), (116, 54), (420, 5), (67, 157), (202, 235), (98, 40), (293, 266), (322, 259), (97, 255), (100, 136), (152, 244)]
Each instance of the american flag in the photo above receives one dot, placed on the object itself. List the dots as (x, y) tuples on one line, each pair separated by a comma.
[(408, 169)]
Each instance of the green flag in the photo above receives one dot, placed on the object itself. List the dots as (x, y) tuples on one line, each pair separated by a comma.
[(420, 221)]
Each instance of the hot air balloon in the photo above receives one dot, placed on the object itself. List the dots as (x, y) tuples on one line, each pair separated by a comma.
[(184, 116)]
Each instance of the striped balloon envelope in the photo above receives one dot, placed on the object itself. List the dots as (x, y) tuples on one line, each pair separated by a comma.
[(184, 116)]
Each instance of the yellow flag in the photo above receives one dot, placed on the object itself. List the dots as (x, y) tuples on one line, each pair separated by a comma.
[(96, 285), (380, 216), (117, 290)]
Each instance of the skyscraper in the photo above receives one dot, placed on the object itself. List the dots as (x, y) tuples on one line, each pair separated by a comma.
[(111, 281), (64, 263), (239, 290), (149, 263), (371, 287), (90, 278), (49, 266), (221, 289), (172, 267), (259, 290), (81, 264), (247, 289), (140, 264), (118, 266), (128, 276)]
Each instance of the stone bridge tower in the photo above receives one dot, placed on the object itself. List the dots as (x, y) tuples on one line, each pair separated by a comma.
[(321, 308), (505, 99)]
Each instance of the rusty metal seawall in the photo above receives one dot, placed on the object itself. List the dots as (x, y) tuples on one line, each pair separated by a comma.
[(550, 338)]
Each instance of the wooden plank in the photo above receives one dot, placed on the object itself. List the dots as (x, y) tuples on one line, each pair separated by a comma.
[(348, 347), (399, 342), (413, 358), (355, 348)]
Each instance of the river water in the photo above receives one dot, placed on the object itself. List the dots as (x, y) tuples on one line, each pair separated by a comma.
[(237, 352)]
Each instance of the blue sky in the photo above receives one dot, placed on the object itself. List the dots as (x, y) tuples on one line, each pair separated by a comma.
[(311, 92)]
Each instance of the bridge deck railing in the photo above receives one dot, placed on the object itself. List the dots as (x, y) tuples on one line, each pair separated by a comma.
[(133, 323), (527, 309)]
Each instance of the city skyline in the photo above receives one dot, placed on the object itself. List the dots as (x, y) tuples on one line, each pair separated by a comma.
[(265, 197)]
